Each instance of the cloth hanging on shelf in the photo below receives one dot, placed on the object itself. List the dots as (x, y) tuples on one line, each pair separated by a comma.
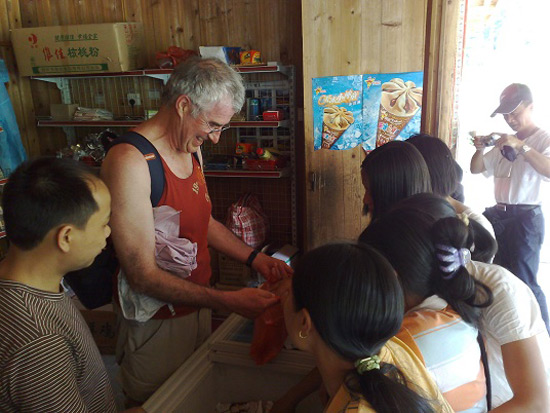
[(12, 152)]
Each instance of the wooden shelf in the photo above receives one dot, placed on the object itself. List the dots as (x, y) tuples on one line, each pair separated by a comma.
[(241, 173), (142, 72), (131, 123), (163, 74), (88, 123), (259, 124)]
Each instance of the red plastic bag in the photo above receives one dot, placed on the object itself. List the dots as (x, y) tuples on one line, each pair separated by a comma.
[(269, 328), (173, 56), (247, 220)]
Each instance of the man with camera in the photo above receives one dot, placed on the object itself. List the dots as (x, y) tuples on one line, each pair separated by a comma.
[(519, 163)]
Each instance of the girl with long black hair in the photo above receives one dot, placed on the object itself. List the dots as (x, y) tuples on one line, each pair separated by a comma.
[(344, 307)]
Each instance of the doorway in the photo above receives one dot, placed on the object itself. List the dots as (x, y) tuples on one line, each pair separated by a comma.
[(505, 42)]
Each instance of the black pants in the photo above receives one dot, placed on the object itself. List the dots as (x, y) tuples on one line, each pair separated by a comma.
[(520, 234)]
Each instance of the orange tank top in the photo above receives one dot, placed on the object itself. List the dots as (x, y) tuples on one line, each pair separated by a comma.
[(190, 196)]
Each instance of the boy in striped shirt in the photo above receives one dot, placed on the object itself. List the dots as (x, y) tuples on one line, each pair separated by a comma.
[(57, 220)]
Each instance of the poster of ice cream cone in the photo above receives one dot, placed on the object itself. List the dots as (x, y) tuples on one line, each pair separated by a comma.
[(391, 107), (337, 112)]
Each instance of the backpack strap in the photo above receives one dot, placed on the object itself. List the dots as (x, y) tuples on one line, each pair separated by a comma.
[(152, 157)]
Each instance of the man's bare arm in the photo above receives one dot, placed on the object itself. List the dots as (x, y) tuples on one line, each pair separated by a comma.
[(126, 173)]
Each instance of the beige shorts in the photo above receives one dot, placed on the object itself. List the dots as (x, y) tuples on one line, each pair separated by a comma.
[(148, 353)]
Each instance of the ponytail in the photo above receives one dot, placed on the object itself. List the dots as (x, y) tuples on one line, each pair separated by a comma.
[(416, 236), (386, 390), (452, 281)]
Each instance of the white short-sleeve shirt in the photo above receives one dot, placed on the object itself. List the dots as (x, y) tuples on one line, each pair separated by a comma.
[(517, 182), (514, 315)]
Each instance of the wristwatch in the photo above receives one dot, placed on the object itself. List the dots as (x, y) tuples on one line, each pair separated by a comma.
[(524, 149)]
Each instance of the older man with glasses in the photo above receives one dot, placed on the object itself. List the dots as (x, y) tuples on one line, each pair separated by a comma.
[(198, 102), (519, 163)]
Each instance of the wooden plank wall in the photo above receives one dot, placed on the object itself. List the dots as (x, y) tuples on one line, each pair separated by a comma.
[(444, 22), (343, 38), (271, 26)]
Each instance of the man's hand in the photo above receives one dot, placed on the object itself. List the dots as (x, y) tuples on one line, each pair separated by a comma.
[(509, 140), (271, 268), (479, 143), (250, 302)]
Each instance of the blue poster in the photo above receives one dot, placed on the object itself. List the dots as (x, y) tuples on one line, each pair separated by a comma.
[(337, 112), (391, 107), (367, 110)]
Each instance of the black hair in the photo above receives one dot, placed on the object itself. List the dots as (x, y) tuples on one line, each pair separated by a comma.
[(43, 194), (458, 193), (438, 157), (394, 171), (409, 236), (484, 246), (356, 304)]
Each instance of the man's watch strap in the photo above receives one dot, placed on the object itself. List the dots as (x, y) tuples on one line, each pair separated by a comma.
[(524, 149), (251, 258)]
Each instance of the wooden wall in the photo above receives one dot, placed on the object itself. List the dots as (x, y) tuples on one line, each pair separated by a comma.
[(271, 26), (343, 38)]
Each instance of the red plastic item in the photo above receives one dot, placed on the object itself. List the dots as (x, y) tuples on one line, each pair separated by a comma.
[(273, 115), (269, 328), (173, 57), (263, 165)]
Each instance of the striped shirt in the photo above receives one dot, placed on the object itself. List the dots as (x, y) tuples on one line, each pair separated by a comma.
[(48, 359), (450, 351)]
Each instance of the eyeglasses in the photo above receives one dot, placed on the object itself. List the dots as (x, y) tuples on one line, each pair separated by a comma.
[(219, 129)]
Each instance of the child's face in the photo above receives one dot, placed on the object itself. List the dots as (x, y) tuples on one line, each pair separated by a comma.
[(90, 240)]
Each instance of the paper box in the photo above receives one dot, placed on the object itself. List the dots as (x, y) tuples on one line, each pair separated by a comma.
[(102, 325), (61, 111), (229, 55), (89, 48)]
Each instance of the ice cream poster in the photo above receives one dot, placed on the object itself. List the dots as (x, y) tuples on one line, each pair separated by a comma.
[(390, 109), (337, 112)]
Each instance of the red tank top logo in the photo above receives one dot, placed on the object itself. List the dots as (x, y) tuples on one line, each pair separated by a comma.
[(196, 187)]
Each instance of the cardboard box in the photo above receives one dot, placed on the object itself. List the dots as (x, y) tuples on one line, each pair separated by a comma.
[(61, 111), (102, 324), (89, 48)]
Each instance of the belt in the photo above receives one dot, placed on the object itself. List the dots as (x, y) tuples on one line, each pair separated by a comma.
[(515, 208)]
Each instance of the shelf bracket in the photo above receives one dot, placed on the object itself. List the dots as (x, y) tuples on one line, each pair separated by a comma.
[(162, 76), (63, 86)]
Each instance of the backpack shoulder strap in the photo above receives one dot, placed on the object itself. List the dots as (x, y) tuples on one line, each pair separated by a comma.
[(152, 157)]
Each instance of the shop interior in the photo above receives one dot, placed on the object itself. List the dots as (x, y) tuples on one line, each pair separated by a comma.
[(307, 197)]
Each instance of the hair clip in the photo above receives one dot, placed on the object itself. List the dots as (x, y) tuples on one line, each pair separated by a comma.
[(464, 218), (455, 259), (367, 364)]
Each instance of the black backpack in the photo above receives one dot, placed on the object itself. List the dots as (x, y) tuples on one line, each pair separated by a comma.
[(94, 285)]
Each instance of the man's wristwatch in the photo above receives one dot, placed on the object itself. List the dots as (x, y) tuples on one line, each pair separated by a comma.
[(524, 149), (251, 258)]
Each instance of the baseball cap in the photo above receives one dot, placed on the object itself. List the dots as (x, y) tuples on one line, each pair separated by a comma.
[(511, 98)]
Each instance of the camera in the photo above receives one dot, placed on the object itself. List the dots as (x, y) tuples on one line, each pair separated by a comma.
[(490, 140)]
